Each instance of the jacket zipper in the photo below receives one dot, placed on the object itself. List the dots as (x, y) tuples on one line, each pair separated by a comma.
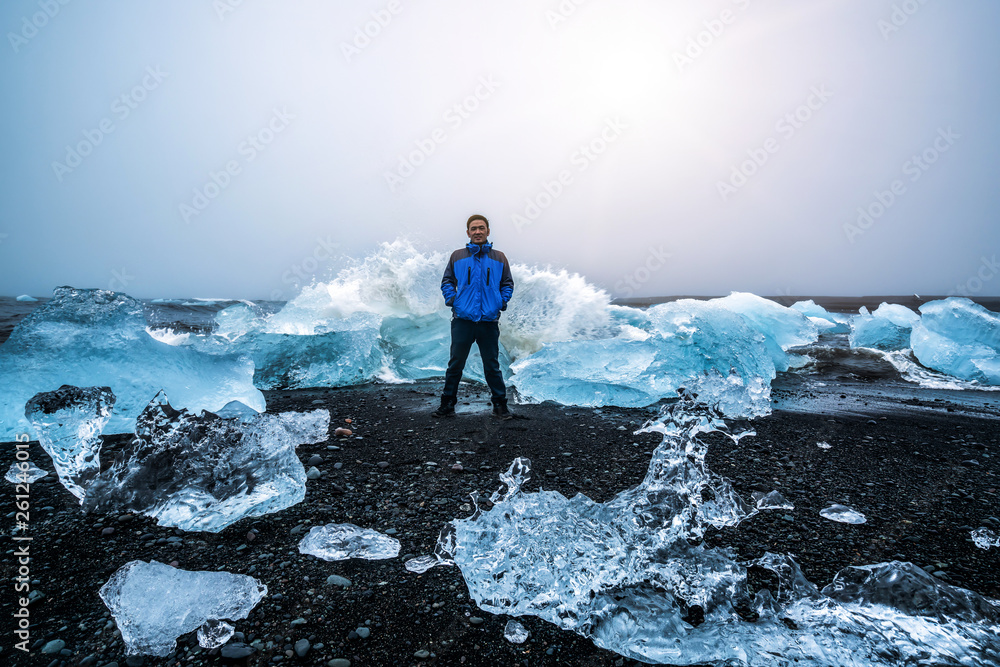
[(487, 275), (468, 277)]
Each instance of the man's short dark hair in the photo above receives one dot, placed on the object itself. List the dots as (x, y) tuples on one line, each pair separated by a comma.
[(477, 217)]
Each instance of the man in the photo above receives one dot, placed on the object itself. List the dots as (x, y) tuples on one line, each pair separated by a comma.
[(477, 285)]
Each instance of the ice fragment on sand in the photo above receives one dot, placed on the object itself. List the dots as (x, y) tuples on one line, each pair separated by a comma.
[(214, 633), (28, 474), (87, 337), (629, 574), (771, 501), (888, 328), (68, 423), (514, 632), (959, 337), (153, 604), (340, 541), (824, 445), (843, 514), (196, 472), (985, 538)]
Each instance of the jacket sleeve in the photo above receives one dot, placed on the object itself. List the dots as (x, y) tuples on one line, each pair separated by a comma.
[(506, 283), (449, 282)]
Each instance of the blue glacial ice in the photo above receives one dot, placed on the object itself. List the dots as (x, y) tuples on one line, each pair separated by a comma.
[(184, 601), (198, 472), (633, 575), (725, 350), (824, 320), (886, 329), (90, 337), (960, 338), (383, 318)]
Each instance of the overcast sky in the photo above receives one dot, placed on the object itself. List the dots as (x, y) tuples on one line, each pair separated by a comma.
[(659, 147)]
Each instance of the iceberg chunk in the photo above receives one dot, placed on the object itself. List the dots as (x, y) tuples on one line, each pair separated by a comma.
[(984, 538), (69, 422), (26, 297), (340, 541), (201, 472), (842, 514), (24, 472), (629, 574), (771, 501), (886, 329), (153, 604), (215, 633), (960, 338), (698, 345), (823, 319), (515, 633), (87, 337), (783, 328)]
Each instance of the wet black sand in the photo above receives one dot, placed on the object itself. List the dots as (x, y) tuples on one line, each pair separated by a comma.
[(925, 475)]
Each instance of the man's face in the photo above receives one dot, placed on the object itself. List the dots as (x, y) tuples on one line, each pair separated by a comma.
[(478, 232)]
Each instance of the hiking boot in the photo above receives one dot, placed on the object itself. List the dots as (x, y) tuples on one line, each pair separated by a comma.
[(447, 407), (500, 410)]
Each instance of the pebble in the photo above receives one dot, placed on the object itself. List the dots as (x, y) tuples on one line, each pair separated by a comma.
[(339, 662), (391, 531), (135, 661), (338, 465), (337, 580), (108, 531), (476, 620), (297, 622), (54, 646), (251, 536), (315, 460), (302, 647), (422, 654), (343, 432), (237, 650), (363, 632), (314, 473), (382, 464)]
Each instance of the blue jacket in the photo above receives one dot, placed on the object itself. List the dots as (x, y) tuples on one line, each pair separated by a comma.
[(477, 283)]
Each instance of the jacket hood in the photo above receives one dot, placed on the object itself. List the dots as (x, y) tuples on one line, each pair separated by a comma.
[(475, 248)]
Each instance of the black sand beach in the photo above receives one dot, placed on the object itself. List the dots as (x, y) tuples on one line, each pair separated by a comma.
[(924, 476)]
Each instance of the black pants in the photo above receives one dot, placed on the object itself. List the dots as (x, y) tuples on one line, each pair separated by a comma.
[(487, 336)]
